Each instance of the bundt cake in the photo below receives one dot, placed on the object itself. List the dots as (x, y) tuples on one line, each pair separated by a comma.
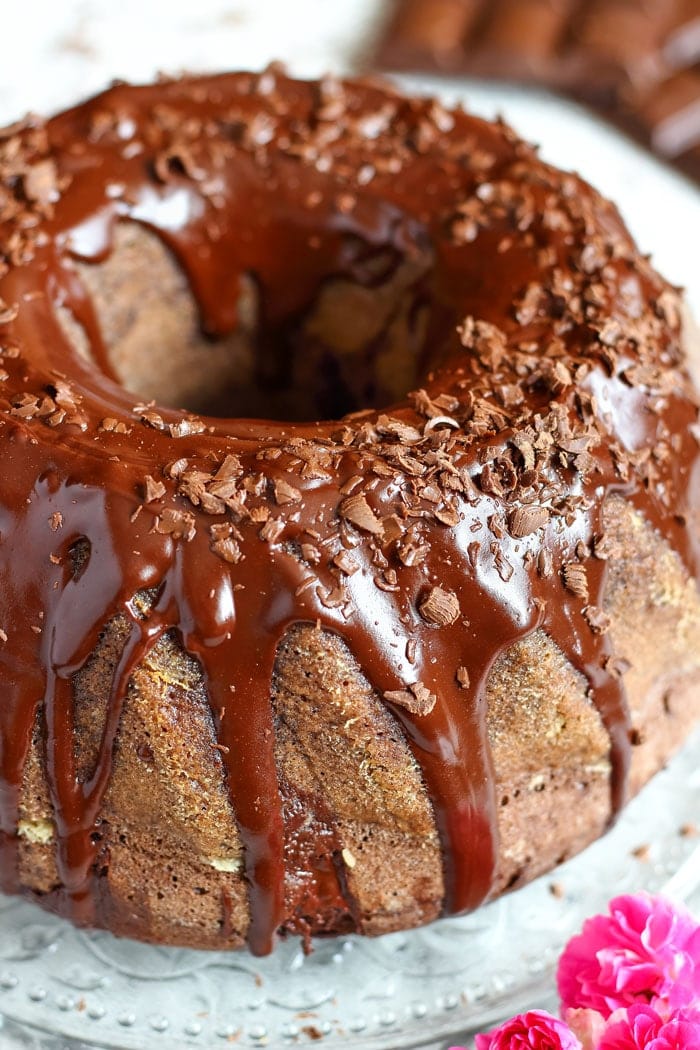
[(264, 674)]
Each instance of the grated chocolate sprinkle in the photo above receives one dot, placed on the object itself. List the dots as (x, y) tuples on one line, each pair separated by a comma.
[(439, 607), (575, 579), (153, 490), (358, 512), (527, 519), (415, 698)]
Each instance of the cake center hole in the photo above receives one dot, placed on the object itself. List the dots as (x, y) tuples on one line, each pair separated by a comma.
[(358, 345)]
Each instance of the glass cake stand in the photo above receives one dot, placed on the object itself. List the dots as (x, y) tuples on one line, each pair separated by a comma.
[(64, 989)]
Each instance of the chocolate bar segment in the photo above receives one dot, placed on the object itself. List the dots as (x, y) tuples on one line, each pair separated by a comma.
[(637, 62), (433, 32)]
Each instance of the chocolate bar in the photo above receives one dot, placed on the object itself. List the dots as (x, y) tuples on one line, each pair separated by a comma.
[(637, 62)]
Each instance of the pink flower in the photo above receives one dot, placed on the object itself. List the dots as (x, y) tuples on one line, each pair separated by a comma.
[(642, 1028), (535, 1030), (646, 950)]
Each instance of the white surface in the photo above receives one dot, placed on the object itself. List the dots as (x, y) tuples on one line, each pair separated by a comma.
[(62, 49)]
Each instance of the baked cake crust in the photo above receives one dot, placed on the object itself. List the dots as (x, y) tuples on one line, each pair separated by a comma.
[(310, 677)]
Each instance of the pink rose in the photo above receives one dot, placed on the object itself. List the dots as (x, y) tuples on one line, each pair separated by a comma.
[(535, 1030), (646, 950), (642, 1028)]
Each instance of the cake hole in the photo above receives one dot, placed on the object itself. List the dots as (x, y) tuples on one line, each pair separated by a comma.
[(358, 345), (79, 556), (514, 880), (145, 753)]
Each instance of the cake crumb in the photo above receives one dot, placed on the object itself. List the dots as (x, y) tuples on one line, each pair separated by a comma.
[(462, 676), (348, 857)]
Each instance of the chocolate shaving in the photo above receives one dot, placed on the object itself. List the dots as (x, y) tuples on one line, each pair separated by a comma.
[(224, 543), (439, 607), (152, 490), (357, 510), (176, 523), (412, 552), (114, 426), (272, 530), (527, 519), (285, 493), (503, 567), (40, 183), (545, 565), (346, 563), (415, 698), (597, 619), (462, 676), (8, 312), (575, 579)]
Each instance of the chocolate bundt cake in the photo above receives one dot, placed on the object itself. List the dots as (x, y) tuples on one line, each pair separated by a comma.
[(262, 673)]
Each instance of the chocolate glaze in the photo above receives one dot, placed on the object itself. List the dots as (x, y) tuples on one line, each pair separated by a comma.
[(564, 384)]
